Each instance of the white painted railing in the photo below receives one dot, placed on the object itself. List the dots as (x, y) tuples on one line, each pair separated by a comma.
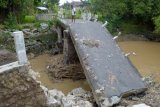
[(21, 53), (45, 17)]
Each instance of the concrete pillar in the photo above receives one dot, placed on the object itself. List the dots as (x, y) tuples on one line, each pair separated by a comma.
[(59, 35), (20, 47), (70, 55), (65, 47)]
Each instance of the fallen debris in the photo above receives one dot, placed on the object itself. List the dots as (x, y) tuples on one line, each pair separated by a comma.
[(58, 70), (78, 98), (54, 97), (140, 105)]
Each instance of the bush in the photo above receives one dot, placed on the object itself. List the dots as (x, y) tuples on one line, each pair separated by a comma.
[(1, 26), (29, 19), (11, 22), (78, 14), (157, 24), (37, 24), (7, 41), (67, 14)]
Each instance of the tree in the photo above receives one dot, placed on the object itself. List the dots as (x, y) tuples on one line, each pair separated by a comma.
[(17, 8), (142, 11)]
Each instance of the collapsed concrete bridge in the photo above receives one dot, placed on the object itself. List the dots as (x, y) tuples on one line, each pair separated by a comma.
[(108, 71)]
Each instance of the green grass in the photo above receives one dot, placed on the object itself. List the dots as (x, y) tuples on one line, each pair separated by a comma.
[(29, 19)]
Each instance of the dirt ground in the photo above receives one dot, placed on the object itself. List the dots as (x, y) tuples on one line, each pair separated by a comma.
[(6, 56), (17, 89)]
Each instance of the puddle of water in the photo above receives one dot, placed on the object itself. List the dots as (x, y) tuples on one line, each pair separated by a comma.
[(39, 65), (147, 58)]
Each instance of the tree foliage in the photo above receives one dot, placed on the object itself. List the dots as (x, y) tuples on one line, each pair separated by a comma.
[(157, 24), (143, 11), (17, 8), (20, 8)]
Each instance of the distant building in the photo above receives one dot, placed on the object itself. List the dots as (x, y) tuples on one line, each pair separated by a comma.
[(77, 4)]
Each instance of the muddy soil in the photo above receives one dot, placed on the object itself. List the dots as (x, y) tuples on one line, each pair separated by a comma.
[(18, 89), (6, 57)]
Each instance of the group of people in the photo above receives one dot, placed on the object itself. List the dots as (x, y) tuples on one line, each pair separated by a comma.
[(91, 17)]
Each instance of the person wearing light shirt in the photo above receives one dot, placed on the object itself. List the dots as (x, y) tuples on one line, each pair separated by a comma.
[(73, 13)]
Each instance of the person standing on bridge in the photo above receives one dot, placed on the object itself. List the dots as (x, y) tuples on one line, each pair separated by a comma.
[(73, 13)]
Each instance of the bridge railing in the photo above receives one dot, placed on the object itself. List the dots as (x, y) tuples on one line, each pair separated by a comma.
[(45, 17)]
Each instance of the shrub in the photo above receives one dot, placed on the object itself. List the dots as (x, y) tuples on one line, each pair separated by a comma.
[(7, 41), (10, 22), (157, 24), (37, 24), (78, 14)]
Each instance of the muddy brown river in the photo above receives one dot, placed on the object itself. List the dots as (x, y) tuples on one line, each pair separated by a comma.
[(146, 58), (144, 55), (39, 64)]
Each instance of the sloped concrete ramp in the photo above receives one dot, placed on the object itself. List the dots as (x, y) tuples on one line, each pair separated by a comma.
[(110, 74)]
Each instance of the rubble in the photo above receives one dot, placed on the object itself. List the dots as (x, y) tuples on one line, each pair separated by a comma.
[(78, 98), (6, 57), (44, 26), (54, 97), (71, 101), (140, 105), (81, 94)]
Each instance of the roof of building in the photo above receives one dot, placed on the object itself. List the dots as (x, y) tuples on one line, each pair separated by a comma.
[(42, 8)]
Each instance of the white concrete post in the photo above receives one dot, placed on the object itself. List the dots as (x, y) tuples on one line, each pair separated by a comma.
[(20, 47), (59, 35), (105, 24)]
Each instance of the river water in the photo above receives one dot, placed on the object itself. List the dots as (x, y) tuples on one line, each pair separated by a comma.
[(145, 56), (39, 64)]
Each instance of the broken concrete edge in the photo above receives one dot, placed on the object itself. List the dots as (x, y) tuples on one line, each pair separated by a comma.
[(10, 66), (107, 102)]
